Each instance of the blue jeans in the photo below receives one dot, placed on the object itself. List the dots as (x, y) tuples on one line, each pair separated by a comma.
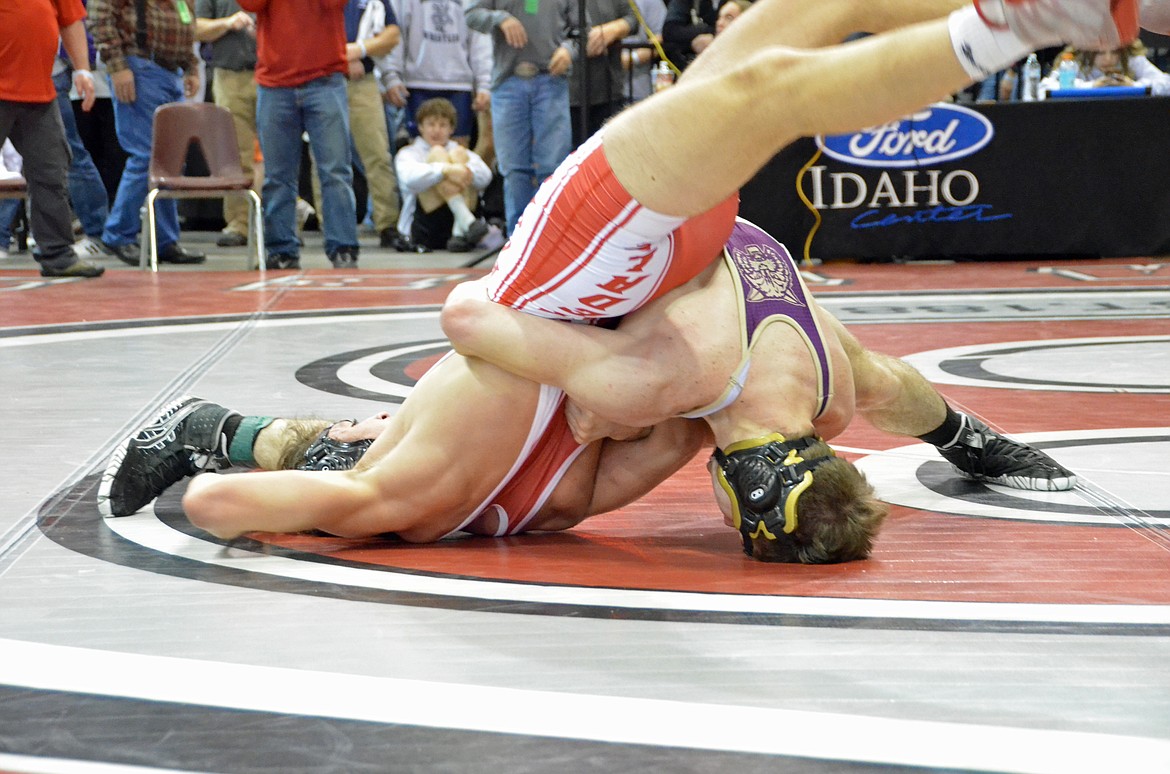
[(531, 127), (8, 208), (321, 108), (153, 86), (87, 192)]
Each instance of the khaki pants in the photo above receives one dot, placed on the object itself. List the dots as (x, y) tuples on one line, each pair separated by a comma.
[(367, 123), (236, 91)]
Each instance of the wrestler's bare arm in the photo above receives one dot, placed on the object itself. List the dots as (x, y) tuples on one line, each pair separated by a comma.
[(438, 459), (623, 378)]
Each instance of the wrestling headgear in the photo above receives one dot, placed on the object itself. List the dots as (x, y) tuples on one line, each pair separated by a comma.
[(324, 453), (764, 479)]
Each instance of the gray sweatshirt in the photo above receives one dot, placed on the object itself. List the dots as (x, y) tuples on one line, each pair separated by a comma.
[(550, 25), (438, 51)]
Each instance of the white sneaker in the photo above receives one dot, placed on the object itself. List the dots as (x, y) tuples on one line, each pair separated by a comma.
[(3, 253), (89, 248), (1093, 25)]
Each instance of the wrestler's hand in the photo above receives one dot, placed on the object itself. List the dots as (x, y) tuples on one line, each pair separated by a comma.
[(588, 427), (347, 431), (561, 61), (514, 33), (123, 83)]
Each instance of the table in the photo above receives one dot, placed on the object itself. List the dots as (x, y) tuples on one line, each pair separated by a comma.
[(1063, 178)]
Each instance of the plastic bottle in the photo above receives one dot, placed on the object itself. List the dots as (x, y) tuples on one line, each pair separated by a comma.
[(663, 76), (1030, 91), (1067, 71)]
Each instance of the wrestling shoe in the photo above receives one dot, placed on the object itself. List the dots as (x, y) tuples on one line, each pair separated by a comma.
[(1094, 25), (184, 439), (981, 454)]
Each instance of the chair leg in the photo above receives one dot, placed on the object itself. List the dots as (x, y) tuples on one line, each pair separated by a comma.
[(148, 234), (256, 230)]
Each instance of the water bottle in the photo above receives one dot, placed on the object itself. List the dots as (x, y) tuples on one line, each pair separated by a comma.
[(1067, 72), (663, 77), (1031, 82)]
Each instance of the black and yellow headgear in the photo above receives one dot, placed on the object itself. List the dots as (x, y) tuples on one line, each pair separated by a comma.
[(764, 479)]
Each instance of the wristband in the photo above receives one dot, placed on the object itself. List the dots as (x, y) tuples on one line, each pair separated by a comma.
[(362, 46)]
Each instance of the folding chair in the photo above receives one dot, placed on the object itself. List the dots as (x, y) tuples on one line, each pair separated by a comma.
[(176, 126)]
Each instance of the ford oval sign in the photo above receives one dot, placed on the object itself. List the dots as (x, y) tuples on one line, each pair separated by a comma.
[(933, 135)]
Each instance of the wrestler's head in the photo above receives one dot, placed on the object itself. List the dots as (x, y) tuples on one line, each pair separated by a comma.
[(336, 447), (796, 501)]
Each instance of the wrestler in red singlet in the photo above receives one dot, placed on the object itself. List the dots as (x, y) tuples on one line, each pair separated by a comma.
[(584, 249)]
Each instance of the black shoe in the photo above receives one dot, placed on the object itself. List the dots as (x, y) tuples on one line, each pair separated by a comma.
[(75, 269), (458, 244), (185, 438), (399, 241), (476, 232), (981, 454), (176, 253), (231, 239), (344, 258), (282, 261), (128, 253)]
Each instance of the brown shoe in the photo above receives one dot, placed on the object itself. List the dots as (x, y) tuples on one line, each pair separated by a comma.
[(75, 269)]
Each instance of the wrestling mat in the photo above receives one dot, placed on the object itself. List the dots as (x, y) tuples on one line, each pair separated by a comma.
[(992, 630)]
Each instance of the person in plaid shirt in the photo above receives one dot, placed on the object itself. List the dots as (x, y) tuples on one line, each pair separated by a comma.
[(144, 75)]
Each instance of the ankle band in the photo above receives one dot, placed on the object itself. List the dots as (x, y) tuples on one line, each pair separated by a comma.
[(240, 448)]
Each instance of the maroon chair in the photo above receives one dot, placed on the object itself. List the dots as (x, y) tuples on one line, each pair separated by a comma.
[(176, 126)]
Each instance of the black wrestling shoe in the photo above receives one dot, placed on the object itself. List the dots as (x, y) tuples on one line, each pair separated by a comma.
[(981, 454), (184, 439)]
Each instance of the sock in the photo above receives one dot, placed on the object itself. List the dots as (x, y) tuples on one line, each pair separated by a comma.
[(980, 49), (242, 437), (463, 215), (948, 432)]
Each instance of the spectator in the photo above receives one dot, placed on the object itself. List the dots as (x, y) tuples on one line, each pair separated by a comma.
[(372, 32), (300, 72), (29, 34), (442, 181), (10, 164), (439, 57), (532, 51), (689, 28), (1125, 66), (729, 11), (87, 191), (612, 20), (151, 62), (231, 32), (641, 60)]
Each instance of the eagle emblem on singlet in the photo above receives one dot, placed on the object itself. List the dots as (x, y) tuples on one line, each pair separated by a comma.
[(766, 274)]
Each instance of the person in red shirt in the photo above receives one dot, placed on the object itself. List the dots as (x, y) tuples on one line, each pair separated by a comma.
[(301, 70), (29, 32)]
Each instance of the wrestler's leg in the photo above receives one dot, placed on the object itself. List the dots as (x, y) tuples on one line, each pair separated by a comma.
[(804, 24), (666, 158), (891, 394)]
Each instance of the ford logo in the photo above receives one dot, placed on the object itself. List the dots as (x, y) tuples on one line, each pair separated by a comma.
[(931, 136)]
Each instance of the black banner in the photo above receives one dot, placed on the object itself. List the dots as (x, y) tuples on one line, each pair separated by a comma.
[(1084, 178)]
